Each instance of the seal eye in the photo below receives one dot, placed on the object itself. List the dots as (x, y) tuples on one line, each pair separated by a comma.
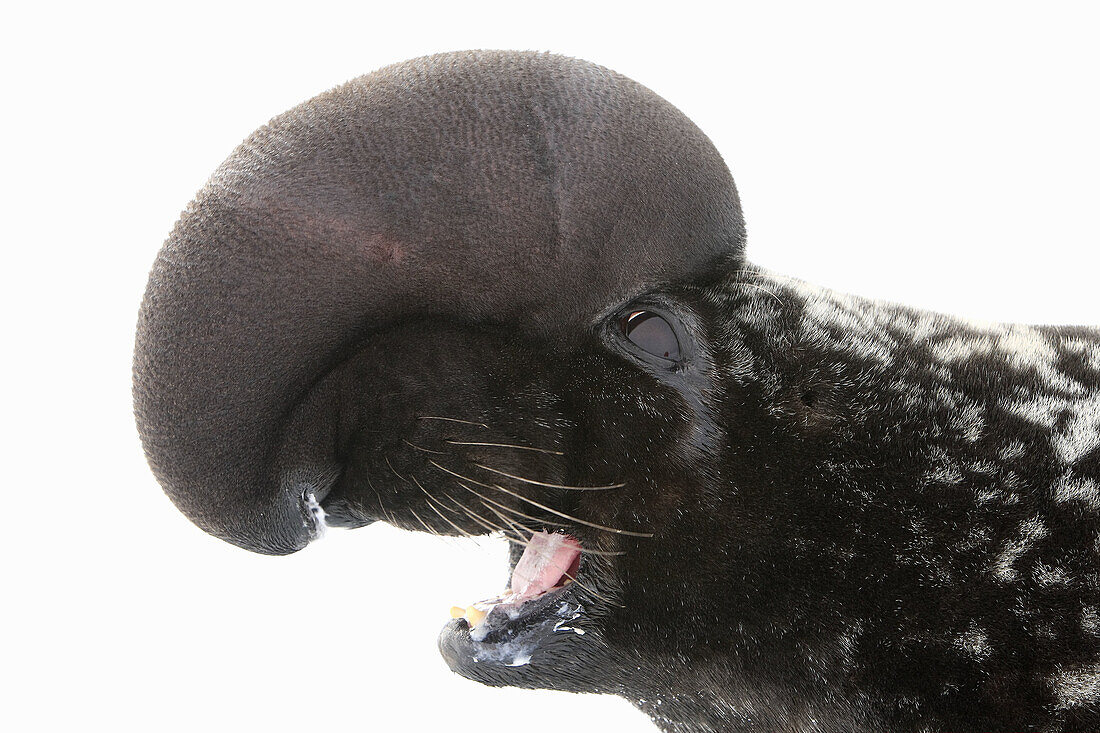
[(651, 333)]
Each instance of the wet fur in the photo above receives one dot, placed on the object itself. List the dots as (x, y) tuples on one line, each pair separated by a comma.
[(833, 514)]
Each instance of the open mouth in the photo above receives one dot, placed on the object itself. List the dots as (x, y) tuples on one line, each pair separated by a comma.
[(508, 629)]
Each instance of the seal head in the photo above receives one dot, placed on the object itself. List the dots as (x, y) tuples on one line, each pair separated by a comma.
[(492, 187)]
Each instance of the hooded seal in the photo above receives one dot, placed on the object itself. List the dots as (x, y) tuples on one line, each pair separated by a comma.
[(506, 292)]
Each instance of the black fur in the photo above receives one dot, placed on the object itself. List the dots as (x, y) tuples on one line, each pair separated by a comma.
[(829, 514)]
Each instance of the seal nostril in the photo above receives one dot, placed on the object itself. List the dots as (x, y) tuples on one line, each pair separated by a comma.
[(315, 517), (809, 397)]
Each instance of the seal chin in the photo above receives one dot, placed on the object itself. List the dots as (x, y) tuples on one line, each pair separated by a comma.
[(514, 638)]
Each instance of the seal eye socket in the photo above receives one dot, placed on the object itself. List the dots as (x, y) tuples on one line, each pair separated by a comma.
[(651, 333)]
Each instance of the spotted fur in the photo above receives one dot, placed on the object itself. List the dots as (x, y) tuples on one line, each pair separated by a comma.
[(932, 486), (402, 301)]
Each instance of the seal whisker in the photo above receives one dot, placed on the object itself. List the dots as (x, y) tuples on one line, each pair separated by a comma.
[(514, 540), (425, 450), (566, 573), (395, 473), (509, 509), (491, 526), (584, 551), (385, 515), (421, 487), (509, 522), (424, 524), (378, 496), (515, 528), (452, 419), (548, 485), (571, 518), (450, 540), (432, 498), (507, 445), (532, 502), (461, 531), (593, 591), (518, 540), (460, 476)]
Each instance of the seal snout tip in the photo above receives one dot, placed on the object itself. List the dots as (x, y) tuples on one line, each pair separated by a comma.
[(314, 517)]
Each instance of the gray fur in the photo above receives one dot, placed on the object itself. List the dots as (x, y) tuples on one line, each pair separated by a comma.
[(474, 182)]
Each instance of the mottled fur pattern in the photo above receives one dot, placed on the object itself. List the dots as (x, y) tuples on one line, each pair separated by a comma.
[(930, 487), (404, 301), (865, 516)]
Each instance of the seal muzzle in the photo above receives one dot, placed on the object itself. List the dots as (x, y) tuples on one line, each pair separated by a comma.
[(488, 187)]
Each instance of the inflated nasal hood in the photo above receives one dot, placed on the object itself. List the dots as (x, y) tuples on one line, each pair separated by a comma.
[(488, 187)]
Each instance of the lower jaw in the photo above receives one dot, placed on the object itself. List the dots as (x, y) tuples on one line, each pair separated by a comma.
[(491, 640), (511, 637)]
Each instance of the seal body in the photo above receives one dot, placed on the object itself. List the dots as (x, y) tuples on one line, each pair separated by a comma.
[(505, 292), (861, 516), (911, 518)]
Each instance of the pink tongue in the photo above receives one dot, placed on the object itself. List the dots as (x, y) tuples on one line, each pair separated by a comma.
[(545, 561)]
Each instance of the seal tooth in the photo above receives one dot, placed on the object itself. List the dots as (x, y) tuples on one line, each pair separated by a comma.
[(472, 614), (475, 615)]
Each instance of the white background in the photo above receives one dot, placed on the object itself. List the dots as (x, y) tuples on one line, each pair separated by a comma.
[(945, 155)]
